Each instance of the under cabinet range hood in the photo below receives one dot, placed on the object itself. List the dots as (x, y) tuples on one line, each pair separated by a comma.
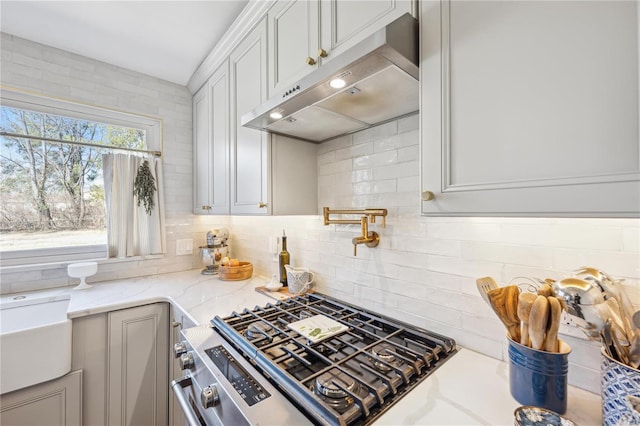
[(379, 83)]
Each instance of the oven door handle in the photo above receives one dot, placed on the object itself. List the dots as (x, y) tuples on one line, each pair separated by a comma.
[(177, 386)]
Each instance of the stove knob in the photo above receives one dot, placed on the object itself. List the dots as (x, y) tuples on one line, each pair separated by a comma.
[(179, 348), (209, 396), (186, 361)]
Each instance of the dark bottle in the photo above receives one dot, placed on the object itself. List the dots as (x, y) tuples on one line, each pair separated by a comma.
[(283, 259)]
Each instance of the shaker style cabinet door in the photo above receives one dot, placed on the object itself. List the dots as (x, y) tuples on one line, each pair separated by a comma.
[(346, 22), (56, 403), (530, 108), (249, 147), (293, 42), (211, 144), (202, 157), (138, 366)]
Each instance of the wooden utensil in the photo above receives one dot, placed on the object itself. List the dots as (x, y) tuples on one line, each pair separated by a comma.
[(504, 301), (484, 285), (545, 290), (538, 322), (555, 311), (525, 302)]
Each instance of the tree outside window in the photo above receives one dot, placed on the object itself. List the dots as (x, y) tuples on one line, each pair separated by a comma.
[(53, 193)]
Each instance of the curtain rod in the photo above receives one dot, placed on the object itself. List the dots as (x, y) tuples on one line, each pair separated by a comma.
[(40, 138)]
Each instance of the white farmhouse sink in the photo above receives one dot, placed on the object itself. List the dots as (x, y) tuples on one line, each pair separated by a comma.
[(35, 341)]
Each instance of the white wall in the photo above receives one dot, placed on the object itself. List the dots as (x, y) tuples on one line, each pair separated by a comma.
[(52, 72), (424, 269)]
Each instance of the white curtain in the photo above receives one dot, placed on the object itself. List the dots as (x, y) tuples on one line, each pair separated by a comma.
[(131, 231)]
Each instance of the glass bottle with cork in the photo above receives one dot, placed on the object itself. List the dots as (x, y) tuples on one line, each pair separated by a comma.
[(283, 259)]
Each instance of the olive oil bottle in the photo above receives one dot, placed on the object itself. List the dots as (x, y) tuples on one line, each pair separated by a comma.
[(283, 259)]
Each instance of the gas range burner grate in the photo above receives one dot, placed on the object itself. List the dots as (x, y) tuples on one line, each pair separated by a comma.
[(349, 378)]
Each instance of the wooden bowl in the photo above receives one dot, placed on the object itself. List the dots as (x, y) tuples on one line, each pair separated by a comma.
[(236, 273)]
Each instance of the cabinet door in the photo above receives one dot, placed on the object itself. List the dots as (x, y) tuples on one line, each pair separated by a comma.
[(249, 147), (202, 156), (530, 108), (219, 132), (346, 22), (293, 42), (138, 367), (211, 144), (54, 403)]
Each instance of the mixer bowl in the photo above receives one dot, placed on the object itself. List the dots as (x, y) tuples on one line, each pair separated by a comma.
[(211, 258)]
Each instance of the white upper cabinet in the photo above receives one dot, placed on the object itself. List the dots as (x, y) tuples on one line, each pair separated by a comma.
[(249, 147), (201, 153), (293, 41), (530, 108), (211, 144), (304, 34), (346, 22)]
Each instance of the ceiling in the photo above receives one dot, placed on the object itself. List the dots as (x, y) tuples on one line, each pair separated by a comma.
[(164, 39)]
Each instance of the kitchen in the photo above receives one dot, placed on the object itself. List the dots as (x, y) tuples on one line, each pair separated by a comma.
[(423, 271)]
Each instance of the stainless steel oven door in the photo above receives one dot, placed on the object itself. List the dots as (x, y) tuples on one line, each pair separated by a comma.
[(187, 391)]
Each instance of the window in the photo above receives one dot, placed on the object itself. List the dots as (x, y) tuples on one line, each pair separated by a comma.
[(53, 205)]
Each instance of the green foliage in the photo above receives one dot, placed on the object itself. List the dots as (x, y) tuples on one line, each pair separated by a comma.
[(144, 187)]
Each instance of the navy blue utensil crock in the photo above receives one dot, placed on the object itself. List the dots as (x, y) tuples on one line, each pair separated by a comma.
[(539, 378)]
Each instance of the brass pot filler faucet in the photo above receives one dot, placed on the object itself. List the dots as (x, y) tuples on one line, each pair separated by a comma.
[(369, 238)]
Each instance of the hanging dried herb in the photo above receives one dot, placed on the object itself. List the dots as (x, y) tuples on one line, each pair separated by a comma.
[(144, 187)]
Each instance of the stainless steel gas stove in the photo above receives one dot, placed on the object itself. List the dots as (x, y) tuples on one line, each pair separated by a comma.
[(251, 368)]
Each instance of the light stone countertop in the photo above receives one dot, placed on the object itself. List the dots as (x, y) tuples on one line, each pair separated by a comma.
[(470, 388)]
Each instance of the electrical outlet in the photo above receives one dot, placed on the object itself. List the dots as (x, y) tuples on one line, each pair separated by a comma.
[(184, 247)]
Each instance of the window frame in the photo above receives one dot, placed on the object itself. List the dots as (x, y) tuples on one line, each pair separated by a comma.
[(152, 126)]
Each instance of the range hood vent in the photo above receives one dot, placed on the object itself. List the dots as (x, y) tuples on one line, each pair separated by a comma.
[(380, 77)]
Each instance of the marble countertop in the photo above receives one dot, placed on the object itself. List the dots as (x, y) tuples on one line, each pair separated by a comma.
[(470, 388)]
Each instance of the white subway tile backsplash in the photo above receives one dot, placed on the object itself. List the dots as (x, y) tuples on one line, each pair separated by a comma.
[(375, 160), (518, 255), (396, 170), (354, 151), (375, 133), (409, 123), (631, 239), (564, 235)]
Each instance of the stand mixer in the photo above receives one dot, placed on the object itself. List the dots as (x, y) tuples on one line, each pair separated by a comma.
[(211, 255)]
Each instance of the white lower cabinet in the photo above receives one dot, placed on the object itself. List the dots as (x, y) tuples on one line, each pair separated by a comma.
[(54, 403), (124, 356)]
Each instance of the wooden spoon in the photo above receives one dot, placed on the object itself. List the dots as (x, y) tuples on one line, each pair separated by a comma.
[(545, 290), (555, 311), (538, 321), (504, 301), (525, 302)]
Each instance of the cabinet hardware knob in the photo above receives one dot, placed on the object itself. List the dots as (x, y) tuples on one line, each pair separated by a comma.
[(322, 53), (310, 60), (175, 324), (262, 205), (428, 196), (206, 207)]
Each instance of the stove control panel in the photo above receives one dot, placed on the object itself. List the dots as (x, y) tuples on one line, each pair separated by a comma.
[(242, 381)]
